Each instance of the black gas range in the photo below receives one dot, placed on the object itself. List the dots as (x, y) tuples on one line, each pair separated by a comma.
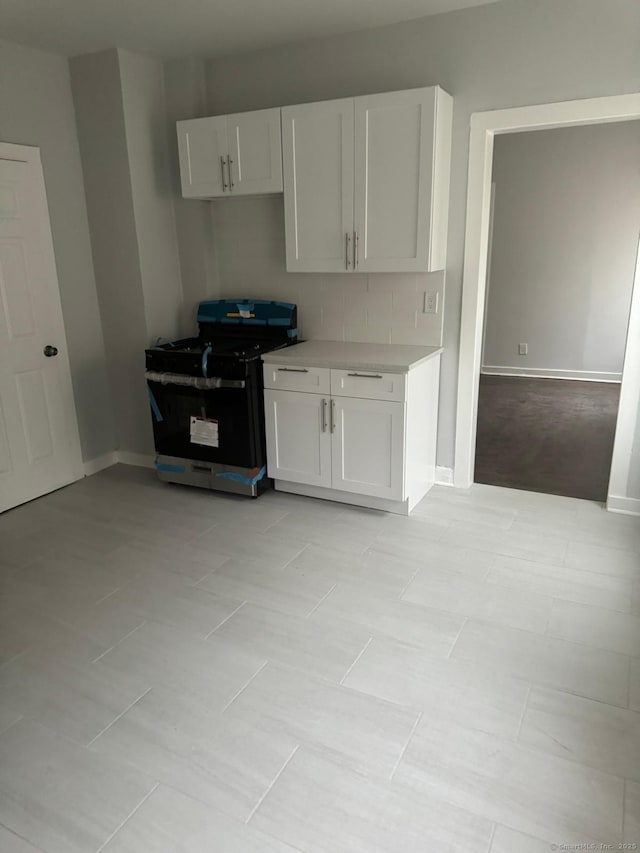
[(206, 395)]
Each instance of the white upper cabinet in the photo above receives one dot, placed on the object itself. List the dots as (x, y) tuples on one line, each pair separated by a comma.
[(255, 151), (367, 182), (202, 146), (393, 181), (237, 154), (318, 159)]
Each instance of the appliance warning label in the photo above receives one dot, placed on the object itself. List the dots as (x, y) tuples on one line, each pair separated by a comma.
[(204, 431)]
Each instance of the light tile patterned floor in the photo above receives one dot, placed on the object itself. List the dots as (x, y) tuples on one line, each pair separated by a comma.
[(187, 671)]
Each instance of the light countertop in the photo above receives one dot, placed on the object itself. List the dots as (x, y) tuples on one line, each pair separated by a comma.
[(342, 355)]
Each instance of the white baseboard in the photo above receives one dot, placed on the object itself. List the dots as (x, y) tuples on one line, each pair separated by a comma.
[(626, 506), (444, 476), (140, 460), (549, 373), (100, 463)]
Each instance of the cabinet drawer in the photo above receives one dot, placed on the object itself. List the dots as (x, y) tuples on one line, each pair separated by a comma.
[(294, 377), (368, 384)]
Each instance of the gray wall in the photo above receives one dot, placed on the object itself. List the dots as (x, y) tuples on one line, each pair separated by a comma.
[(565, 236), (501, 55), (144, 109), (122, 119), (186, 98), (36, 108), (97, 93)]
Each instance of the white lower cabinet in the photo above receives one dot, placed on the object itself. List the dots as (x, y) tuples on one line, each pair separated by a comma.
[(298, 437), (363, 449), (367, 447)]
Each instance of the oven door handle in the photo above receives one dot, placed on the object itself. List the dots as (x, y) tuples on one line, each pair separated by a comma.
[(210, 383)]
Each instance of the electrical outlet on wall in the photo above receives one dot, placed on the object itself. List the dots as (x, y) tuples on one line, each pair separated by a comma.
[(523, 349), (430, 302)]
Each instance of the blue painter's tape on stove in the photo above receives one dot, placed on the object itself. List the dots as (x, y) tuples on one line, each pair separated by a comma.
[(205, 356), (240, 478), (155, 408), (170, 469)]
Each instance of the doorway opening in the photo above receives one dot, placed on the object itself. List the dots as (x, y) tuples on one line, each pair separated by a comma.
[(485, 127), (546, 435), (565, 209)]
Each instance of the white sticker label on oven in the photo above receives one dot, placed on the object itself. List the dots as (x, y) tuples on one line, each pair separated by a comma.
[(204, 431)]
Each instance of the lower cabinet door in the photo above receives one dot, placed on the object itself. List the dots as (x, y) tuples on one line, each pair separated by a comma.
[(298, 437), (368, 447)]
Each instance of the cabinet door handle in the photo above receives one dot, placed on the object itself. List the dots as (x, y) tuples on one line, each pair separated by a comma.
[(292, 370), (224, 183), (323, 414), (230, 173), (366, 375), (356, 240), (347, 253), (332, 419)]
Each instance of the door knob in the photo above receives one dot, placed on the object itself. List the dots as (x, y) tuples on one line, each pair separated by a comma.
[(50, 351)]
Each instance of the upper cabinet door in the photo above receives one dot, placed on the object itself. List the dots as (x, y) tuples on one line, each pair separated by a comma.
[(318, 156), (396, 159), (255, 150), (202, 145)]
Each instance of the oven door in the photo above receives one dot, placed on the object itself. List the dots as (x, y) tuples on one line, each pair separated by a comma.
[(214, 425)]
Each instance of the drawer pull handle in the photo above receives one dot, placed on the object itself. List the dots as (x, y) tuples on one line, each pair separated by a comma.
[(366, 375), (323, 410), (292, 370)]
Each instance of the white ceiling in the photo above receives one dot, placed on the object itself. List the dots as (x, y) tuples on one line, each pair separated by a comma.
[(173, 28)]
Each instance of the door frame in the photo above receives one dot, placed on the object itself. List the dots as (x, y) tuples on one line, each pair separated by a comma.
[(484, 127), (30, 154)]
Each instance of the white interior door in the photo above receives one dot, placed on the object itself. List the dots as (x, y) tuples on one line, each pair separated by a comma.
[(394, 145), (368, 447), (203, 149), (298, 437), (255, 149), (317, 153), (39, 444)]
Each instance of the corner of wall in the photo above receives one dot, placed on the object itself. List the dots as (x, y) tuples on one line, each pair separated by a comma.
[(97, 94), (186, 97), (145, 114)]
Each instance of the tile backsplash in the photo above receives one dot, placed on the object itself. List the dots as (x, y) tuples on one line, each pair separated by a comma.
[(248, 238)]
